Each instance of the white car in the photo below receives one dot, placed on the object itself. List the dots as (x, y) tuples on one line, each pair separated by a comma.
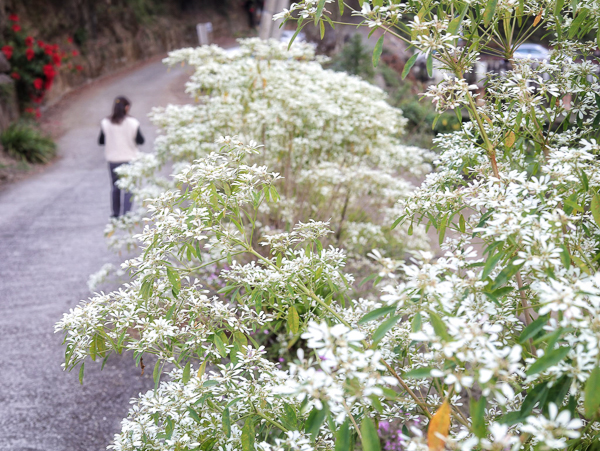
[(532, 51)]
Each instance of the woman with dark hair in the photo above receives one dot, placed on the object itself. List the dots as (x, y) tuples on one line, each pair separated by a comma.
[(120, 134)]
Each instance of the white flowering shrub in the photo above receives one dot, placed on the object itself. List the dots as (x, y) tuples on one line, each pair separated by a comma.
[(332, 137), (492, 346)]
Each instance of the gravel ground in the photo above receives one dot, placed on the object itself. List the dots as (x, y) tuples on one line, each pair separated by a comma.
[(51, 239)]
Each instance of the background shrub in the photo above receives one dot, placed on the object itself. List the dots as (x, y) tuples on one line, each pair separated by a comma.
[(27, 143)]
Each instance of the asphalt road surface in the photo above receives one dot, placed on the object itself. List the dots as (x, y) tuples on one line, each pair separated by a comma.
[(51, 240)]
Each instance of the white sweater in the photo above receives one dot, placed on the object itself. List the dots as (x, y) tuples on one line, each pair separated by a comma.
[(119, 139)]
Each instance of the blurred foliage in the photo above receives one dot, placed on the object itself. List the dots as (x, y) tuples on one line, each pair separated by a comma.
[(355, 58), (25, 141)]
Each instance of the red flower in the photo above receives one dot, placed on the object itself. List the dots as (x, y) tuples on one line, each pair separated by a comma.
[(41, 44), (15, 75), (35, 111), (48, 49), (16, 28), (75, 53), (49, 71), (79, 68), (8, 51), (56, 59), (70, 40), (29, 41), (13, 18), (38, 83), (29, 53)]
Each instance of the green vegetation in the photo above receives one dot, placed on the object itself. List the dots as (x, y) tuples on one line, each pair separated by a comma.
[(27, 143)]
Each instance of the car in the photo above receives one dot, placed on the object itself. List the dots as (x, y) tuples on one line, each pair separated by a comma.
[(532, 51)]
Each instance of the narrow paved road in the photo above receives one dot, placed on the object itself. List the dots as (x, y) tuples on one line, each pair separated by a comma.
[(50, 241)]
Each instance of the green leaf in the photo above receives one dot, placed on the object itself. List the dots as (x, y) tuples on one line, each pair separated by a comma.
[(377, 51), (478, 417), (370, 439), (175, 280), (319, 12), (509, 271), (429, 64), (146, 288), (488, 14), (186, 374), (548, 360), (565, 257), (533, 329), (290, 419), (314, 421), (442, 229), (439, 327), (537, 393), (293, 320), (298, 30), (226, 422), (461, 224), (491, 263), (376, 314), (156, 374), (81, 369), (592, 394), (418, 373), (322, 29), (341, 6), (240, 338), (558, 7), (409, 64), (576, 24), (385, 327), (455, 23), (510, 418), (584, 178), (580, 264), (342, 442), (194, 414), (220, 346), (248, 436), (595, 208), (416, 322)]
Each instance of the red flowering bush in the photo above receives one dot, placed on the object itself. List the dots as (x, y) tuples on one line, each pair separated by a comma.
[(34, 63)]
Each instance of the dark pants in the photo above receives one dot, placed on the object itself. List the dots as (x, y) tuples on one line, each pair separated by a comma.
[(117, 193)]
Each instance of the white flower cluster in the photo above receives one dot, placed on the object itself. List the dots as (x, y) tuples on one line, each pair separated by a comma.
[(332, 137)]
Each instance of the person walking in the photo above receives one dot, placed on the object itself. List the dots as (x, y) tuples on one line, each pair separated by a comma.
[(120, 135)]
